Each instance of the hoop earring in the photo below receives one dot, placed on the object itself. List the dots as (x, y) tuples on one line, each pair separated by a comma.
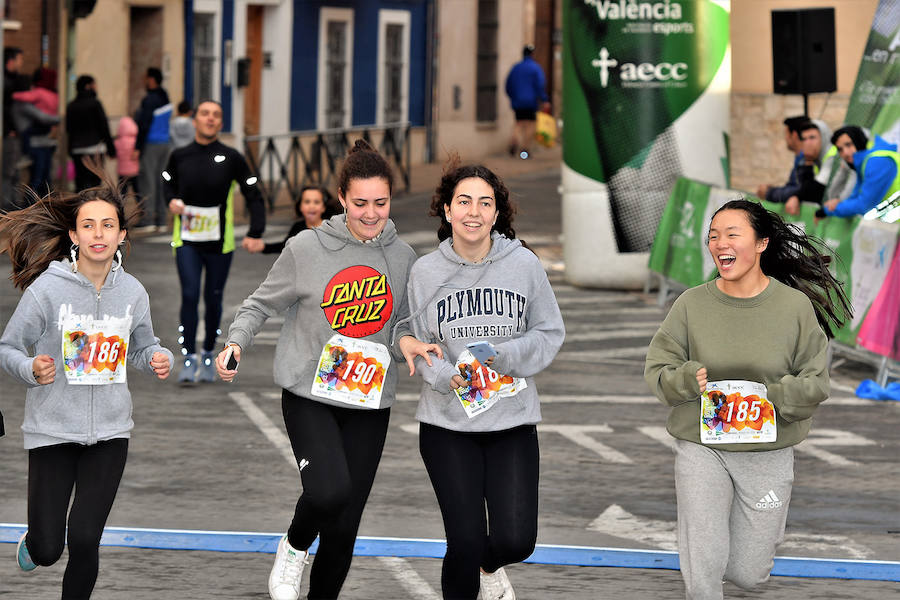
[(73, 252), (448, 218), (117, 260)]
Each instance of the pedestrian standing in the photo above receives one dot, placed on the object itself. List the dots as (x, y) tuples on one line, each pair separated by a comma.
[(526, 88), (13, 59), (478, 416), (80, 320), (40, 139), (126, 167), (152, 149), (88, 132), (200, 181), (742, 362), (341, 288), (181, 127)]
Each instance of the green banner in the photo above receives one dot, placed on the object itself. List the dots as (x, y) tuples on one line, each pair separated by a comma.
[(639, 102), (864, 248), (875, 102)]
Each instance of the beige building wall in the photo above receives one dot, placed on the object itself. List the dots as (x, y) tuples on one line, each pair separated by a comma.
[(456, 127), (758, 153), (102, 49)]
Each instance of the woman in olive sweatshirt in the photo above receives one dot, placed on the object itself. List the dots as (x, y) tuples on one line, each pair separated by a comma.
[(741, 362)]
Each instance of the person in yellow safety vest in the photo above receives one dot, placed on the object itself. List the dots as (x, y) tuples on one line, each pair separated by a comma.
[(877, 167), (815, 146)]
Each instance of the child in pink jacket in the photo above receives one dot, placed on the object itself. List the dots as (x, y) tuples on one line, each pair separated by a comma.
[(126, 166)]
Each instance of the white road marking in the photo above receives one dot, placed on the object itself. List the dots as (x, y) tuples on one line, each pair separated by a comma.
[(618, 522), (278, 438), (579, 435), (658, 434), (812, 445), (411, 581)]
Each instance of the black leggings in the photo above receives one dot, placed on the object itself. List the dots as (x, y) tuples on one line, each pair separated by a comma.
[(94, 472), (338, 450), (468, 470)]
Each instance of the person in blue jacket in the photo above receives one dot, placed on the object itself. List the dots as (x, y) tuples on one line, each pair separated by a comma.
[(152, 149), (526, 88), (877, 166)]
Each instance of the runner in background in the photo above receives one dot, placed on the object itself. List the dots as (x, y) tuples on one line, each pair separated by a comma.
[(200, 181), (742, 362), (80, 319), (341, 288), (478, 433), (314, 207)]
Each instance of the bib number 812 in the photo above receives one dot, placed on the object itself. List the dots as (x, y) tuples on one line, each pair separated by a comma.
[(744, 410)]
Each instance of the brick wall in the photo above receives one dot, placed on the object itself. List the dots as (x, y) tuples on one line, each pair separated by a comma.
[(28, 38), (758, 152)]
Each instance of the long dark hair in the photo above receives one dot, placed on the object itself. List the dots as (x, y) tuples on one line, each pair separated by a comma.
[(799, 261), (35, 236), (364, 162), (443, 197)]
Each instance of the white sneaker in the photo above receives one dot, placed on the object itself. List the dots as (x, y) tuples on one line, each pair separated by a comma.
[(284, 580), (496, 586)]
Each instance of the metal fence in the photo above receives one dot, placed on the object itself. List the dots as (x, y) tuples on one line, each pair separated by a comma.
[(294, 160)]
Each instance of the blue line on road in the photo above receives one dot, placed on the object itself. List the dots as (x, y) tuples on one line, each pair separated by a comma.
[(548, 554)]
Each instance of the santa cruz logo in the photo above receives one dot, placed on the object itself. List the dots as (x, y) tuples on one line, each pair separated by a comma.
[(632, 10), (357, 301), (664, 74)]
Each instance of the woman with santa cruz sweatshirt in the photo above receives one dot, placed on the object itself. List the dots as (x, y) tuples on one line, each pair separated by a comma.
[(478, 434)]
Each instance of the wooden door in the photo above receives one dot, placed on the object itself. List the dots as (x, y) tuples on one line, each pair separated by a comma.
[(255, 53)]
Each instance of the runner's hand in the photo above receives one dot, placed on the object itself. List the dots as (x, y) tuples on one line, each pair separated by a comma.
[(160, 364), (253, 245), (457, 382), (701, 378), (176, 206), (225, 374), (412, 347), (792, 206), (43, 368)]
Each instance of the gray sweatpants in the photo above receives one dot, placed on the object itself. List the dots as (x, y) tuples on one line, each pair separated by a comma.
[(732, 508), (150, 183)]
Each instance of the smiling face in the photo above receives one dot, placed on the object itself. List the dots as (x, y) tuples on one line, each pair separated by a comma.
[(472, 212), (312, 207), (97, 232), (368, 206), (734, 246)]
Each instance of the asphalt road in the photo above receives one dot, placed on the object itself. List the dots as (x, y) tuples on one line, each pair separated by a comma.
[(210, 457)]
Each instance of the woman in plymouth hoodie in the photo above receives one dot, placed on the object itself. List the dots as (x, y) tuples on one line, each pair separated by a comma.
[(341, 288), (478, 434), (80, 320), (741, 361)]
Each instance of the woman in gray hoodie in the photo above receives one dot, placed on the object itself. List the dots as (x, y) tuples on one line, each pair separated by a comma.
[(478, 434), (81, 319), (342, 289)]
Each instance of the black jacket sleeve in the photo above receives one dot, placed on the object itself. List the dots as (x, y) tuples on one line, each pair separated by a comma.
[(252, 198)]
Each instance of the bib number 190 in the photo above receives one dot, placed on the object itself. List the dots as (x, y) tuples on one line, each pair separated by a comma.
[(364, 373)]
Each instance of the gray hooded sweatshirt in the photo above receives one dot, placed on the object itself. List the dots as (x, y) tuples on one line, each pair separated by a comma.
[(326, 282), (59, 413), (506, 300)]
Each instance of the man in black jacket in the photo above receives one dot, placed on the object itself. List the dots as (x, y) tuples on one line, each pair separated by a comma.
[(88, 132)]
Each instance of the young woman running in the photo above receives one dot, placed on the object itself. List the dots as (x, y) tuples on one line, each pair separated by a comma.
[(741, 361), (314, 208), (478, 433), (342, 288), (80, 320)]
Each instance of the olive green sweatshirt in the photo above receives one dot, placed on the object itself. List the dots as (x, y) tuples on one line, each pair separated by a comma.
[(772, 338)]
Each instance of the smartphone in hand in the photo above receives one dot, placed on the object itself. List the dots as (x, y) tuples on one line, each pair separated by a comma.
[(482, 351), (231, 362)]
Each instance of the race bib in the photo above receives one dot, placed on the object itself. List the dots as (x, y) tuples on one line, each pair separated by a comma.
[(484, 386), (351, 371), (200, 224), (736, 412), (94, 350)]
